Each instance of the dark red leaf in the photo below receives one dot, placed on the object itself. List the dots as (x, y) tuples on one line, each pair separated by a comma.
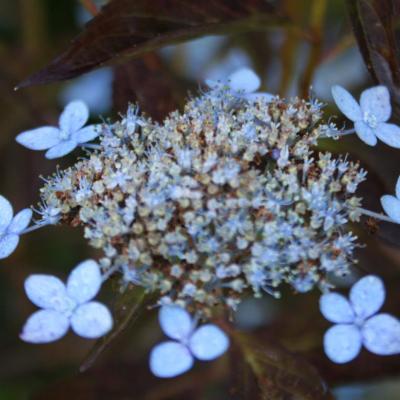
[(376, 25), (133, 27)]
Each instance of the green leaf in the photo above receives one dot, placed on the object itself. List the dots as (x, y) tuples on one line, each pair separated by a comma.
[(376, 25), (133, 27), (278, 373), (126, 309)]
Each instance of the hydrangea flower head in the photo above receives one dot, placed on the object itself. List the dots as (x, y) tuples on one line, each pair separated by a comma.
[(226, 197), (174, 357), (370, 115), (391, 204), (63, 306), (11, 226), (59, 141), (358, 324)]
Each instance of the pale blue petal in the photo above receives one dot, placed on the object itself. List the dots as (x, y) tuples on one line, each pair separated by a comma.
[(244, 80), (44, 326), (336, 308), (391, 205), (74, 116), (8, 243), (175, 322), (259, 95), (342, 343), (365, 133), (84, 281), (208, 342), (49, 292), (40, 138), (170, 359), (87, 133), (212, 84), (346, 103), (91, 320), (389, 134), (20, 221), (398, 188), (381, 335), (61, 149), (367, 296), (6, 213), (376, 101)]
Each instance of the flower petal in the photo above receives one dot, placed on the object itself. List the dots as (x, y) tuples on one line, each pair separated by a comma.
[(381, 335), (20, 221), (87, 133), (175, 322), (391, 205), (169, 359), (84, 281), (8, 243), (342, 343), (244, 80), (389, 134), (346, 103), (365, 133), (91, 320), (40, 138), (49, 292), (6, 213), (398, 188), (336, 308), (208, 342), (367, 296), (376, 101), (61, 149), (44, 326), (74, 116)]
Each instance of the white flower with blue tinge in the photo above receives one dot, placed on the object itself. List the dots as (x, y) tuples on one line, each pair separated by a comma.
[(59, 141), (243, 83), (174, 357), (65, 306), (11, 226), (391, 204), (370, 115), (358, 324)]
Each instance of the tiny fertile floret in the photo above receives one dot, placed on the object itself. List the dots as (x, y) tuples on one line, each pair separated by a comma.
[(225, 198)]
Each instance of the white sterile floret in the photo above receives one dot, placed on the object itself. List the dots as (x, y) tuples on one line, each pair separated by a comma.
[(243, 83), (65, 306), (391, 204), (11, 227), (172, 358), (357, 324), (370, 115), (59, 141)]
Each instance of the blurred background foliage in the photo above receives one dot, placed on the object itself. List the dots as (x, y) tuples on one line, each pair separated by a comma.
[(299, 44)]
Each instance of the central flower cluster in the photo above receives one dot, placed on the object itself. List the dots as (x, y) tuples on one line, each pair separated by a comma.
[(224, 198)]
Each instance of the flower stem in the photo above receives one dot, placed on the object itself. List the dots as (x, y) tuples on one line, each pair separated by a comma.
[(90, 146), (376, 215), (32, 228)]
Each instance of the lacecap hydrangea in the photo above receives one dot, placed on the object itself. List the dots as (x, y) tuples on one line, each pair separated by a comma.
[(227, 198)]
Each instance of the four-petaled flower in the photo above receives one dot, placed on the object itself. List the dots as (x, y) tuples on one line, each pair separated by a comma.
[(391, 204), (370, 115), (174, 357), (243, 83), (66, 305), (60, 141), (356, 324), (11, 227)]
